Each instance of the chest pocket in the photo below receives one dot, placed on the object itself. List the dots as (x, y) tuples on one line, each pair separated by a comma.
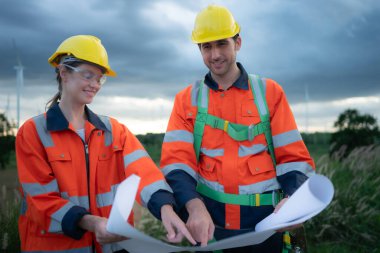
[(108, 153), (62, 166), (110, 167), (249, 113), (58, 156)]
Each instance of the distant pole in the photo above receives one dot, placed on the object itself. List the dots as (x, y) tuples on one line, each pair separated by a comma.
[(20, 84)]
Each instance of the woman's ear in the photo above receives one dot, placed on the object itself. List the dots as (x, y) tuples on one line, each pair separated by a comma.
[(62, 73)]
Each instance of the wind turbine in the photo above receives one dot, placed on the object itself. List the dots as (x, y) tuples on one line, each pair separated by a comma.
[(307, 108), (20, 82)]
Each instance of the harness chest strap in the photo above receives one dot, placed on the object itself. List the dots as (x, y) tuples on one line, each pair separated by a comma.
[(237, 132)]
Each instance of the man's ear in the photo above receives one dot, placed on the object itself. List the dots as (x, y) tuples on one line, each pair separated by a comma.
[(238, 43)]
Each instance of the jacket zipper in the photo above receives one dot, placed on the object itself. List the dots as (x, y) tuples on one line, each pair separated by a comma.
[(86, 154)]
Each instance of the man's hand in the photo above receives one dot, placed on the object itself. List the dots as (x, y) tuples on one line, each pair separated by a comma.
[(98, 225), (174, 226), (199, 223), (278, 206)]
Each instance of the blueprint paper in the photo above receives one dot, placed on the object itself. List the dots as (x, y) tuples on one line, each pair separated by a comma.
[(314, 195)]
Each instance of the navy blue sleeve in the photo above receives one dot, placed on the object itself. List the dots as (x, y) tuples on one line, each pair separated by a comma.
[(158, 199), (184, 187), (70, 222), (291, 181)]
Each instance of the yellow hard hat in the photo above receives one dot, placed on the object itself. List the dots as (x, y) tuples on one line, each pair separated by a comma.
[(214, 23), (84, 47)]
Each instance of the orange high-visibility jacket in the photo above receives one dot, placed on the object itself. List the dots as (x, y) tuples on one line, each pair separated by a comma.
[(62, 178), (229, 166)]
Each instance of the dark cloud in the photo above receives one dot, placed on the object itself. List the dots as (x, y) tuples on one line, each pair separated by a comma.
[(330, 46)]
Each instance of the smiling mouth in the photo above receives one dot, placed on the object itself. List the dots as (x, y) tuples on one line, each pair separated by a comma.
[(92, 92)]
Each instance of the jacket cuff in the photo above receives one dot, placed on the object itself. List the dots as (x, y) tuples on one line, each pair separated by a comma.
[(291, 181), (70, 222), (184, 187), (159, 199)]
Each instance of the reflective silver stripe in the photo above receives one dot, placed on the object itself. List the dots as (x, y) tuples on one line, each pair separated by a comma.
[(213, 152), (179, 166), (195, 93), (111, 247), (134, 156), (264, 80), (260, 187), (108, 134), (56, 218), (42, 131), (106, 199), (34, 189), (204, 102), (259, 97), (303, 167), (80, 250), (77, 200), (147, 191), (211, 184), (286, 138), (254, 149), (179, 135), (24, 206)]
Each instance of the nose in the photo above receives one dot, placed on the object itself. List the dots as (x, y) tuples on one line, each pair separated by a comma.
[(215, 53)]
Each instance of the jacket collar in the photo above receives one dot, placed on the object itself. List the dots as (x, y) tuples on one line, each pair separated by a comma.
[(56, 121), (241, 82)]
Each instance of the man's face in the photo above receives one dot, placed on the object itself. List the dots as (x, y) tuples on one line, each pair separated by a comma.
[(220, 56)]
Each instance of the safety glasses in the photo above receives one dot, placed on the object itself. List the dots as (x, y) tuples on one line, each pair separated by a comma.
[(88, 75)]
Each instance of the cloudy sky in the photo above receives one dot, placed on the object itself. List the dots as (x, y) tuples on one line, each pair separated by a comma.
[(329, 48)]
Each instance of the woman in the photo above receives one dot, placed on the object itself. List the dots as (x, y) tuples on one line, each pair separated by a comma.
[(71, 160)]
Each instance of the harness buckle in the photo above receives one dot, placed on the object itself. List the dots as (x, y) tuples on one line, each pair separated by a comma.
[(225, 126), (250, 132)]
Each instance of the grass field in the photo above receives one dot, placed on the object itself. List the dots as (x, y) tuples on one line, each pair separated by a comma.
[(350, 224)]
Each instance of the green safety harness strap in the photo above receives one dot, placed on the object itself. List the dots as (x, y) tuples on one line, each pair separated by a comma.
[(237, 132), (264, 199)]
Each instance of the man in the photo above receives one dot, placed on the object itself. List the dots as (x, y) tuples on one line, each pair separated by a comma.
[(232, 142)]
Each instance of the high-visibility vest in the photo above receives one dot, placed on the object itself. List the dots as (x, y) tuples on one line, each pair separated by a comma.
[(54, 178)]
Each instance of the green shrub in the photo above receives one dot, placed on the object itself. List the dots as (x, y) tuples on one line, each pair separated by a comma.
[(353, 217)]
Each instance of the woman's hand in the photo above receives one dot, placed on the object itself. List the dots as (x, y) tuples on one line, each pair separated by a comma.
[(98, 225), (174, 226)]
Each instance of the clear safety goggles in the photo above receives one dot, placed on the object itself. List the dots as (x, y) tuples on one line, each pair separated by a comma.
[(88, 75)]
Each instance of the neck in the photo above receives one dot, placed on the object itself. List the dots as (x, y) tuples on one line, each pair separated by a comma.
[(73, 113), (227, 79)]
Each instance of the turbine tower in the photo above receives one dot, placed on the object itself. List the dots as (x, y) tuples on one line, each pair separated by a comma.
[(20, 82), (307, 108)]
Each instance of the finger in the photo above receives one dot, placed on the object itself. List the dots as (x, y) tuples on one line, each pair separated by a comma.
[(170, 231), (184, 232), (211, 230), (178, 238), (204, 238)]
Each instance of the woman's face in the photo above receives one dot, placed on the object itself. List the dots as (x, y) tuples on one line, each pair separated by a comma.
[(80, 84)]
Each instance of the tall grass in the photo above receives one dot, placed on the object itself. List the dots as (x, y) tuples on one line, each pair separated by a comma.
[(353, 217), (9, 212)]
